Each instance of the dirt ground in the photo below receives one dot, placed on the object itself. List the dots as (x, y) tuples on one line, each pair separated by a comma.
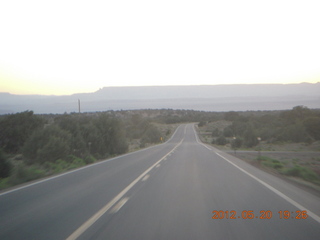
[(289, 154), (308, 159)]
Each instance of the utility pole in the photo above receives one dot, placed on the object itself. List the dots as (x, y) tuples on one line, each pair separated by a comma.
[(79, 104)]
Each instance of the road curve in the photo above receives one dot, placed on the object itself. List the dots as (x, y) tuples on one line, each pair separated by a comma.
[(169, 191)]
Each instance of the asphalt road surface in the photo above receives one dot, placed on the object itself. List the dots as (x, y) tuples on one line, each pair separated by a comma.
[(181, 189)]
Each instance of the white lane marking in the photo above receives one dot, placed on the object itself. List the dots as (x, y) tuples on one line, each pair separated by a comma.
[(79, 169), (158, 165), (103, 210), (198, 140), (119, 205), (294, 203), (145, 177)]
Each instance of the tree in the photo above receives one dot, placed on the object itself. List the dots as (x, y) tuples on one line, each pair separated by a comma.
[(201, 124), (16, 128), (294, 133), (54, 149), (221, 140), (152, 135), (216, 133), (236, 143), (298, 113), (231, 116), (5, 166), (227, 132), (48, 144), (312, 126), (250, 139), (111, 135)]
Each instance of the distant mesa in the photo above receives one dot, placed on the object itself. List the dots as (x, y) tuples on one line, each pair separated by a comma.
[(241, 97)]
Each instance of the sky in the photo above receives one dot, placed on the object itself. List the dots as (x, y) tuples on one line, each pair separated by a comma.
[(65, 47)]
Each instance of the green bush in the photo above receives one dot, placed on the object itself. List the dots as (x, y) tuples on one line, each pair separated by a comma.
[(250, 138), (15, 129), (76, 163), (4, 183), (54, 149), (22, 173), (227, 132), (270, 162), (90, 159), (5, 166), (312, 126), (48, 144), (201, 124), (151, 135), (61, 165), (236, 143), (57, 166), (302, 172), (221, 140)]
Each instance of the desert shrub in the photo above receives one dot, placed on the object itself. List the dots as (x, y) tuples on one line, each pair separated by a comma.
[(302, 172), (76, 163), (5, 166), (4, 183), (22, 173), (221, 140), (216, 133), (236, 143), (90, 159), (250, 138), (56, 167), (48, 144), (151, 135), (270, 162), (312, 126), (227, 132), (201, 124), (15, 129)]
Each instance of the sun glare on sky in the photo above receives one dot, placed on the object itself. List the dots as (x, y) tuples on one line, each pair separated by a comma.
[(64, 47)]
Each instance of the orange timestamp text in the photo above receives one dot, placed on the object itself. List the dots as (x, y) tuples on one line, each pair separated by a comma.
[(263, 214)]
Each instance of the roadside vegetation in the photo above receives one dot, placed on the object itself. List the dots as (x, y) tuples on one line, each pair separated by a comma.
[(286, 142), (35, 146)]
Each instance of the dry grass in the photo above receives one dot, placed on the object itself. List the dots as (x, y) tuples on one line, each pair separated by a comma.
[(288, 154)]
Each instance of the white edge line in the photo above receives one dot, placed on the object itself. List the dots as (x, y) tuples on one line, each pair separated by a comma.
[(79, 169), (103, 210), (294, 203), (198, 140)]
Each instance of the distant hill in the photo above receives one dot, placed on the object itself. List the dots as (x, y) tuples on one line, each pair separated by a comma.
[(208, 98)]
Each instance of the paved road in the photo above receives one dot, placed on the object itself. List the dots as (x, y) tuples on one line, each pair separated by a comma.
[(165, 192)]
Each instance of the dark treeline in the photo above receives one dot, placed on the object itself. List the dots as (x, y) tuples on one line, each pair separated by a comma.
[(247, 128), (33, 145)]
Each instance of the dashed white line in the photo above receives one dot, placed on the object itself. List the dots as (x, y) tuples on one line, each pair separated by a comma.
[(82, 168), (145, 177), (103, 210), (119, 205)]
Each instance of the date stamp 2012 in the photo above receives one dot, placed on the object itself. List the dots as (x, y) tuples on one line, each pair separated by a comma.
[(263, 214)]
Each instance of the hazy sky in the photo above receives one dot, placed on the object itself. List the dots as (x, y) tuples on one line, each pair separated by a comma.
[(63, 47)]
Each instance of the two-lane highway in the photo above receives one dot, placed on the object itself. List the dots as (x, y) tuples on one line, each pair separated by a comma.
[(169, 191)]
